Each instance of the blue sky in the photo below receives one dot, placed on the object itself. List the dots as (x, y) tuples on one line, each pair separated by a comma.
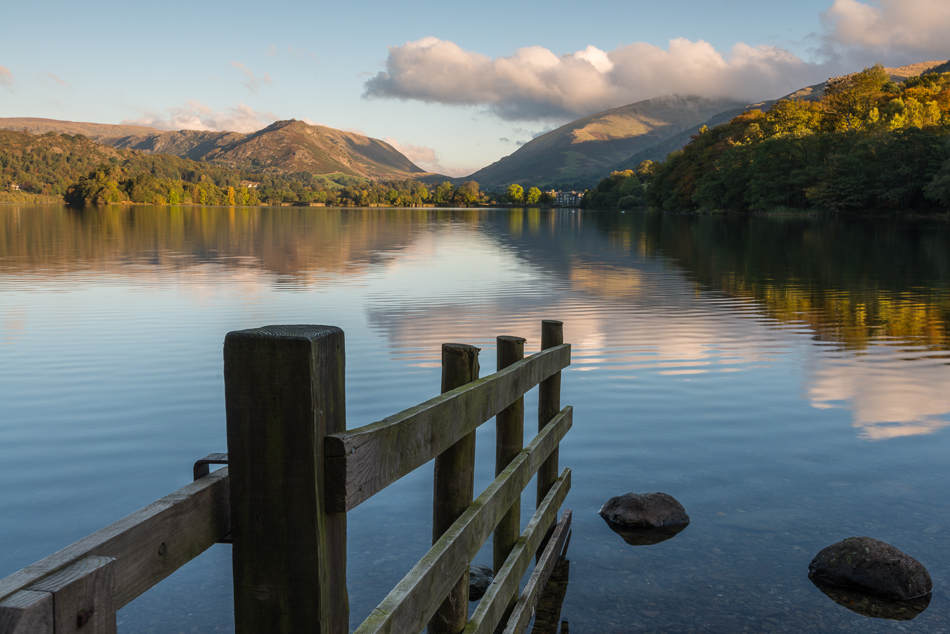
[(455, 86)]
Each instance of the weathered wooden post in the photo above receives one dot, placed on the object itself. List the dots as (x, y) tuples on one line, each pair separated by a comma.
[(454, 486), (509, 441), (549, 404), (284, 392)]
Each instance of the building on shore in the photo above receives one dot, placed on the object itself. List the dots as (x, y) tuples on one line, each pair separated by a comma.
[(568, 199)]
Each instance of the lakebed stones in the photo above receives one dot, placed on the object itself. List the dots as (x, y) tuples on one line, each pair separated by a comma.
[(643, 519), (871, 566), (479, 578)]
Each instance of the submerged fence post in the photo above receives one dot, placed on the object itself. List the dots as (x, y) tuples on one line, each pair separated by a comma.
[(549, 404), (454, 485), (509, 441), (284, 392)]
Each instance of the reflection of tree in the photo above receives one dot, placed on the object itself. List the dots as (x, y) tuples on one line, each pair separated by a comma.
[(287, 241), (852, 281)]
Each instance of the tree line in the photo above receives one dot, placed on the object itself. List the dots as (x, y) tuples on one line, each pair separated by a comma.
[(869, 144)]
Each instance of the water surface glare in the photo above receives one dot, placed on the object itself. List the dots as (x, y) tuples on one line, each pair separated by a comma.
[(785, 378)]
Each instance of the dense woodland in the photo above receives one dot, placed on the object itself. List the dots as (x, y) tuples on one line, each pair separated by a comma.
[(84, 172), (869, 145)]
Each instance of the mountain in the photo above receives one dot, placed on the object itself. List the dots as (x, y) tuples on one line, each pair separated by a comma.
[(284, 146), (577, 154), (660, 151)]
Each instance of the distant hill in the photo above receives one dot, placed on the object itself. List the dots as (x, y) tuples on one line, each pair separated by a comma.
[(660, 151), (577, 154), (285, 147)]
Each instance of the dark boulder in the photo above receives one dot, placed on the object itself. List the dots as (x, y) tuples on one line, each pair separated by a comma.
[(872, 566), (646, 510), (479, 578), (872, 605)]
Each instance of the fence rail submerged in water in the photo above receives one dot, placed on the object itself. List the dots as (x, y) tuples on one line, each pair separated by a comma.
[(293, 472)]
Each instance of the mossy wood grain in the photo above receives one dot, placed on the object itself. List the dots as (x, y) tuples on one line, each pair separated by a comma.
[(284, 391), (83, 596), (549, 403), (149, 544), (454, 486), (509, 440), (492, 607), (411, 604), (363, 461), (524, 608), (27, 612)]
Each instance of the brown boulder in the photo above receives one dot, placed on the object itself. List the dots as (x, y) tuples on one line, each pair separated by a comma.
[(872, 566), (646, 510)]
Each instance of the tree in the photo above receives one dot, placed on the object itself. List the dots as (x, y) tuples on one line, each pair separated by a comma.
[(443, 193), (534, 195), (231, 201), (849, 101), (515, 193)]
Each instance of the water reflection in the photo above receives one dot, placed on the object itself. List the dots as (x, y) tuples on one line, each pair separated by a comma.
[(719, 359), (872, 605), (876, 292)]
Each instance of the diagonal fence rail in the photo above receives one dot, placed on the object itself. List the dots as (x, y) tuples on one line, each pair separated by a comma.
[(293, 472)]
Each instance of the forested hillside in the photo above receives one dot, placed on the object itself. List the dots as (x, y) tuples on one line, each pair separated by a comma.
[(81, 171), (869, 144)]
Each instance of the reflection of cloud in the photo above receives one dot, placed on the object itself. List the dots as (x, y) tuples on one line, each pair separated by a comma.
[(889, 398)]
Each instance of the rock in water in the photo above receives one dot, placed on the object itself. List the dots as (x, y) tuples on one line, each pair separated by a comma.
[(646, 510), (872, 566), (479, 578)]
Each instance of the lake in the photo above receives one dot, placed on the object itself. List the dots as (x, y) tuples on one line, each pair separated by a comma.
[(786, 378)]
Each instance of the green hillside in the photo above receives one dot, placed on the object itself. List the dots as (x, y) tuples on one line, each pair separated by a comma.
[(676, 142), (577, 154)]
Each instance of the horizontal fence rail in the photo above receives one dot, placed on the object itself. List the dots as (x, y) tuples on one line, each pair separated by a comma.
[(363, 461), (147, 546), (414, 599)]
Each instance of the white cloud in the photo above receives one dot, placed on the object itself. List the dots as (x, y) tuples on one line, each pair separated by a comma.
[(536, 83), (909, 30), (6, 78), (427, 158), (62, 83), (253, 82), (195, 115)]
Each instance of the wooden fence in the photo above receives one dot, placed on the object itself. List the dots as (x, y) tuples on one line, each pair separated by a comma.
[(294, 471)]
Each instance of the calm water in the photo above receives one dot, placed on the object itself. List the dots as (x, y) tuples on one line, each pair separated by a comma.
[(786, 379)]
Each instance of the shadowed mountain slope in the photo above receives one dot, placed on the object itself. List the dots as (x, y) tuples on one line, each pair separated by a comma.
[(578, 153)]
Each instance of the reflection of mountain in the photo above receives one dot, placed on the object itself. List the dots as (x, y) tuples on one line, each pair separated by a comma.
[(628, 286), (286, 241)]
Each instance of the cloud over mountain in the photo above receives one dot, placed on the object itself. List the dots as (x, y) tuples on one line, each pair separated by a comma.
[(915, 29), (426, 158), (536, 83), (195, 115)]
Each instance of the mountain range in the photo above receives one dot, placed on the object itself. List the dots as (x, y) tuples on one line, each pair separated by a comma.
[(573, 156), (283, 146)]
